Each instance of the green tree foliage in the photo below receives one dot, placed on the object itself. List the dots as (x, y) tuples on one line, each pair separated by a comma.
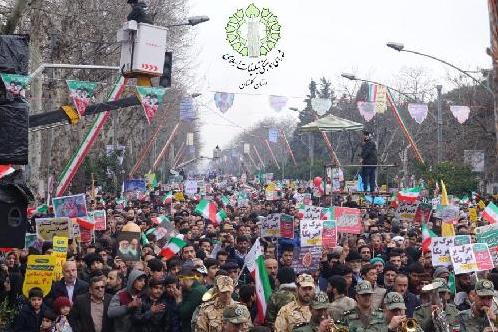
[(459, 179)]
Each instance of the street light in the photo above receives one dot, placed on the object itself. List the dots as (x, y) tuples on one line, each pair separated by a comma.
[(352, 77), (194, 20), (401, 48)]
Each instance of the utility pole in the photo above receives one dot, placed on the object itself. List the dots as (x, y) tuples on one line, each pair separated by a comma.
[(493, 23), (311, 147), (439, 125)]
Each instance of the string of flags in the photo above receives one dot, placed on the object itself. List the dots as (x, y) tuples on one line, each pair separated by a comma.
[(82, 94), (376, 103)]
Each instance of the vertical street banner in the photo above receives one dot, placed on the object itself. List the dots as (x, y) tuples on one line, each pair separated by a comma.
[(16, 84), (471, 258), (82, 93), (150, 98), (39, 273)]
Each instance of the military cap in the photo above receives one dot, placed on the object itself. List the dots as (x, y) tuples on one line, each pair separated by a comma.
[(484, 287), (305, 280), (393, 301), (364, 287), (320, 301), (444, 285), (236, 314), (224, 283)]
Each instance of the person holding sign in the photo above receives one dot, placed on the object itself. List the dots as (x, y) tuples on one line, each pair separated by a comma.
[(480, 315)]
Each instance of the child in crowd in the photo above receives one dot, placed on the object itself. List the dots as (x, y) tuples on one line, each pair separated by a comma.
[(62, 307), (31, 314)]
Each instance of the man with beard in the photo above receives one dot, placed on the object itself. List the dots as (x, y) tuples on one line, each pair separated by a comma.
[(353, 260), (298, 311), (363, 317), (114, 282), (340, 302)]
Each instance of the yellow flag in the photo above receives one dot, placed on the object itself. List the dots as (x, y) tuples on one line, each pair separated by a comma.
[(179, 196), (473, 214), (481, 205), (447, 229), (444, 194)]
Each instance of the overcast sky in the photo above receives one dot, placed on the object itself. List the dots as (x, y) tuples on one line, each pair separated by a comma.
[(326, 38)]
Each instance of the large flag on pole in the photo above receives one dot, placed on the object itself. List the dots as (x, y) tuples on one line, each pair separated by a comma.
[(255, 263), (409, 195), (207, 209)]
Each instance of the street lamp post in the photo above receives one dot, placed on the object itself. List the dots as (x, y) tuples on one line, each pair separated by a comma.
[(401, 48), (439, 125), (194, 20)]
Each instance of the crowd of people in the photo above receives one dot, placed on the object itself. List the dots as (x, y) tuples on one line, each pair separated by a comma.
[(379, 280)]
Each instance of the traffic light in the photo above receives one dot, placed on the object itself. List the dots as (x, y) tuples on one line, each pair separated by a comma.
[(165, 79)]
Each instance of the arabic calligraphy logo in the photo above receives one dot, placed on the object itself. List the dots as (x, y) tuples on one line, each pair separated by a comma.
[(245, 28)]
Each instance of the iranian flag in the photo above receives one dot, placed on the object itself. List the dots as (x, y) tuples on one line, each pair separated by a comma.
[(220, 216), (255, 263), (6, 170), (86, 222), (167, 198), (490, 213), (159, 219), (225, 200), (409, 195), (427, 236), (207, 209), (327, 214), (173, 247), (40, 209)]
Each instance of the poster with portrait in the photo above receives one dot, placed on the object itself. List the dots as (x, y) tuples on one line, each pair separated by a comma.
[(129, 246), (70, 206)]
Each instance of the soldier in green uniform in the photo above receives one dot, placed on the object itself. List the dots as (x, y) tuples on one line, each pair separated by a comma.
[(480, 314), (236, 318), (320, 318), (423, 313), (394, 311), (363, 318)]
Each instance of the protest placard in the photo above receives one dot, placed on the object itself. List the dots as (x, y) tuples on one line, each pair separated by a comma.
[(129, 246), (440, 248), (74, 229), (47, 228), (286, 226), (348, 220), (406, 212), (423, 213), (133, 185), (30, 240), (271, 225), (70, 206), (307, 259), (473, 214), (299, 198), (39, 273), (329, 235), (448, 213), (100, 220), (59, 251), (307, 199), (471, 258), (351, 186), (311, 232), (489, 234), (310, 212), (190, 187)]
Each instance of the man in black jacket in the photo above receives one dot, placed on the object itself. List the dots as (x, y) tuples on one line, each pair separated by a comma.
[(89, 311), (368, 157), (69, 286)]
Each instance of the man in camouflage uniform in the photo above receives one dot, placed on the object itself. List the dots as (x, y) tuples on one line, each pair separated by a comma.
[(320, 318), (423, 313), (477, 318), (363, 318), (341, 302), (236, 318), (286, 293), (210, 315), (394, 311), (298, 311)]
